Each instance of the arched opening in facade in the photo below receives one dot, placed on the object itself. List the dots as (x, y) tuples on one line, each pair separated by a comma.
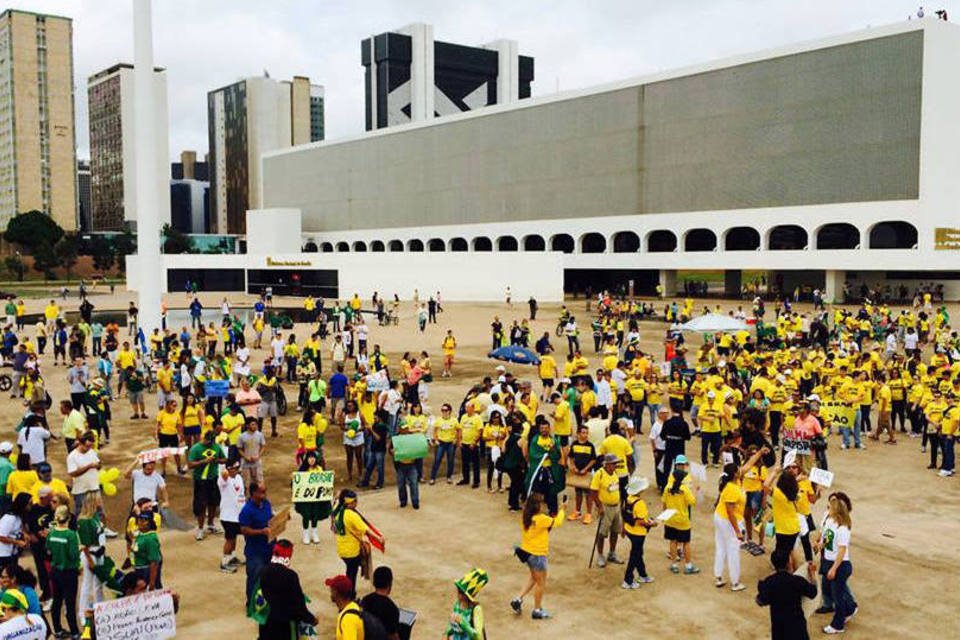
[(436, 244), (593, 243), (360, 246), (377, 246), (458, 244), (342, 247), (893, 234), (326, 247), (661, 241), (507, 243), (310, 247), (741, 239), (482, 243), (700, 240), (562, 242), (626, 242), (416, 245), (396, 246), (787, 237), (534, 243), (838, 235)]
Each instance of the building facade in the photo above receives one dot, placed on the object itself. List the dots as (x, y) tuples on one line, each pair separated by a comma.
[(245, 120), (110, 96), (38, 168), (410, 77), (811, 161), (189, 168), (83, 195), (189, 205)]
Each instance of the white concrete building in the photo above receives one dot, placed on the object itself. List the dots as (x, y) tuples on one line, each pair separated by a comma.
[(818, 162)]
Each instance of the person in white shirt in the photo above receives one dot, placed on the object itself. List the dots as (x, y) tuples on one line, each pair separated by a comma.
[(390, 401), (362, 331), (83, 465), (835, 570), (890, 344), (604, 393), (910, 340), (232, 499), (618, 376), (659, 447), (15, 622), (32, 440), (147, 483), (242, 367), (225, 308)]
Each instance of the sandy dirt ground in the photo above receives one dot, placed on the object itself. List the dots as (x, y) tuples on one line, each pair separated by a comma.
[(904, 536)]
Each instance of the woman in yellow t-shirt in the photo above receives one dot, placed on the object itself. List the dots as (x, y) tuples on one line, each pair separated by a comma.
[(784, 491), (351, 532), (636, 523), (192, 417), (534, 549), (494, 435), (728, 525), (753, 479), (22, 479), (679, 497), (170, 433)]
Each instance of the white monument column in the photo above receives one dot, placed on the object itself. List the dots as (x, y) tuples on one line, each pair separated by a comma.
[(149, 274)]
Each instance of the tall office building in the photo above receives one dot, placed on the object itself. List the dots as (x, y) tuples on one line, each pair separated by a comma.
[(410, 77), (83, 195), (38, 168), (189, 168), (246, 119), (110, 95)]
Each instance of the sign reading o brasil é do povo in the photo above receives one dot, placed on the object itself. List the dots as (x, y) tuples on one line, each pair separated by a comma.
[(313, 486), (946, 239)]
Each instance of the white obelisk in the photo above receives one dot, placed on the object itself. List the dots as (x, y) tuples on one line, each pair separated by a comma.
[(149, 280)]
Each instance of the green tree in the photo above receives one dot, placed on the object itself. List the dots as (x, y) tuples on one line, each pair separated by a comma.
[(174, 241), (14, 264), (103, 253), (45, 261), (67, 250), (33, 229)]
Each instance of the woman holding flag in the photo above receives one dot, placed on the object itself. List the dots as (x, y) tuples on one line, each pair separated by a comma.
[(351, 529), (546, 463)]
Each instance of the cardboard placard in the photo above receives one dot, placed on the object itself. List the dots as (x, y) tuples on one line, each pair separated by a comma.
[(821, 477), (313, 486), (145, 616), (666, 515), (698, 471), (278, 523)]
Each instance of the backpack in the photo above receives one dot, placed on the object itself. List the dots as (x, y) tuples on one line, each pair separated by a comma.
[(373, 629)]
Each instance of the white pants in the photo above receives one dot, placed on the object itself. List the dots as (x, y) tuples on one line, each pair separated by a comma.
[(91, 589), (726, 547)]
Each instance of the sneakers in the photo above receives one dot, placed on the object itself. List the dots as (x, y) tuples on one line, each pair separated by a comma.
[(831, 631), (517, 605), (850, 617), (843, 446), (306, 537), (943, 473), (674, 568), (234, 560), (213, 529), (719, 582), (574, 515), (601, 562), (738, 586), (614, 559), (646, 579), (199, 535), (110, 533), (227, 568), (46, 605), (539, 614), (630, 585), (587, 518), (691, 569), (315, 535)]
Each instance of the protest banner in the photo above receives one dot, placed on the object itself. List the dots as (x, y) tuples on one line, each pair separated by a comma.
[(152, 455), (821, 477), (313, 486), (145, 616), (278, 523)]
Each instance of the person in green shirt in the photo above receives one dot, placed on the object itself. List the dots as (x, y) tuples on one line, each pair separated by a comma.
[(63, 545), (204, 458), (6, 467), (147, 559)]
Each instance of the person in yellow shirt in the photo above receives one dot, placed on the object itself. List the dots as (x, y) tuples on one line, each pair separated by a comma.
[(884, 410), (562, 419), (449, 346), (169, 433), (471, 428), (445, 437), (619, 446), (753, 484), (679, 498), (494, 435), (548, 374), (588, 400), (784, 491), (534, 549), (637, 522), (934, 411), (948, 434), (710, 415), (351, 531), (606, 490), (728, 527), (309, 434)]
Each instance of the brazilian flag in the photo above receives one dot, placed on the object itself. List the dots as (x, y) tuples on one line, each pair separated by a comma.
[(258, 610)]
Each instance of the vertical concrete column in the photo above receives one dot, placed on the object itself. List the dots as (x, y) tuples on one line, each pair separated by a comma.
[(732, 283), (833, 286), (151, 277), (668, 282)]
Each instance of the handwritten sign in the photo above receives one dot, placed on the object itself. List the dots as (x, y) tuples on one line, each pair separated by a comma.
[(821, 477), (152, 455), (666, 514), (145, 616), (313, 486), (698, 471)]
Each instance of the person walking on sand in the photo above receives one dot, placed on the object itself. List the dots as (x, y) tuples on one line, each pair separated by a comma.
[(533, 551)]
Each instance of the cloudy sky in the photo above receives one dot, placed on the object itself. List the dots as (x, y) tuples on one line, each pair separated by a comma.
[(205, 44)]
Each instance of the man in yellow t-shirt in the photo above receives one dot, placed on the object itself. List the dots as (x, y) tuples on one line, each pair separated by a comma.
[(449, 347), (709, 417), (606, 489), (548, 374), (619, 446), (562, 419), (349, 622), (471, 428), (170, 433)]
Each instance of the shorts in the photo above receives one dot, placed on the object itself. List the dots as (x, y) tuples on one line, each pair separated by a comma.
[(676, 535), (786, 542), (230, 530), (883, 421), (172, 440), (611, 521), (564, 440), (537, 563), (267, 409), (192, 431), (205, 494), (136, 397), (163, 397), (754, 499), (547, 382)]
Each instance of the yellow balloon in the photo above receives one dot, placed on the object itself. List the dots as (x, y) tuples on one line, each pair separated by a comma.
[(110, 475), (110, 489)]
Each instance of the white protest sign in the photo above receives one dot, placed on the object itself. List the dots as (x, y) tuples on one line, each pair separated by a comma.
[(666, 515), (313, 486), (821, 477), (698, 471), (152, 455), (145, 616)]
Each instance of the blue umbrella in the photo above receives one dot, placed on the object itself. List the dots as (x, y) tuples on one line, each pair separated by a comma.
[(519, 355)]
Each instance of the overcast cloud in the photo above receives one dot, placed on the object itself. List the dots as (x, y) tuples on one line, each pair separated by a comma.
[(205, 44)]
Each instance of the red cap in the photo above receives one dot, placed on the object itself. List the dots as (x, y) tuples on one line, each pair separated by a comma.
[(341, 584)]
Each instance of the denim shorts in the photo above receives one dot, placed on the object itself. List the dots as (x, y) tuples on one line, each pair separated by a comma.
[(537, 563), (754, 498)]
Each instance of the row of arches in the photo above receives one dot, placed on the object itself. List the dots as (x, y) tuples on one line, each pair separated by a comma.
[(892, 234)]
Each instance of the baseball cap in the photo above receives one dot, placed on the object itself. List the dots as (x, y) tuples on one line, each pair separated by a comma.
[(6, 447), (611, 458), (681, 459), (340, 584)]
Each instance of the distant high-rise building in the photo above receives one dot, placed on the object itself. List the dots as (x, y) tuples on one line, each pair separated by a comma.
[(189, 205), (112, 139), (249, 118), (412, 78), (83, 194), (38, 169), (188, 168)]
